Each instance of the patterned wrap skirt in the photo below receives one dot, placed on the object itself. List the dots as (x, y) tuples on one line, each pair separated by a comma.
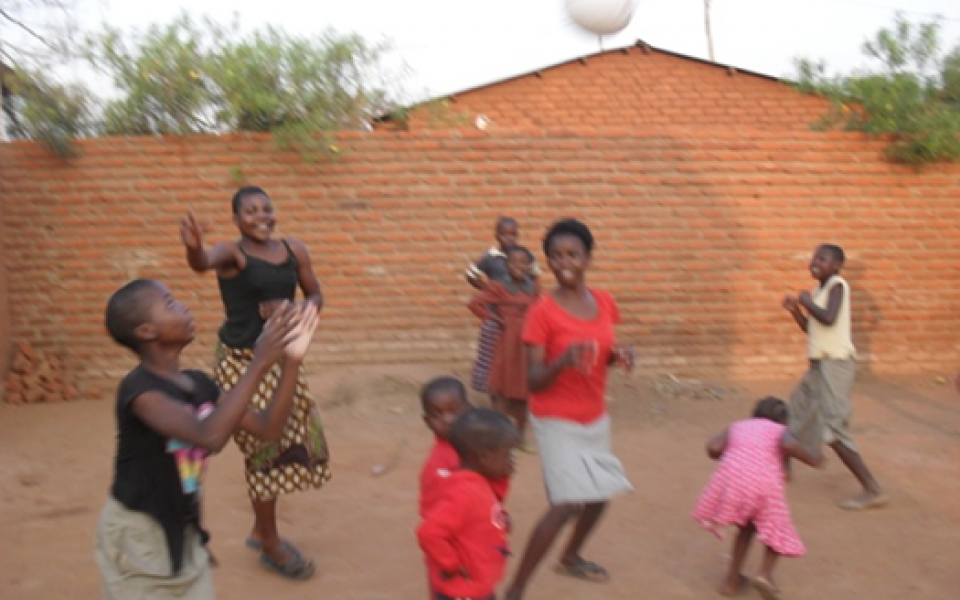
[(300, 461)]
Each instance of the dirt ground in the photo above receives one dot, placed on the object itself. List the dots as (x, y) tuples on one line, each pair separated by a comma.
[(55, 466)]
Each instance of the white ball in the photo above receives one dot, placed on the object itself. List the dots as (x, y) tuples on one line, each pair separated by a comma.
[(602, 17)]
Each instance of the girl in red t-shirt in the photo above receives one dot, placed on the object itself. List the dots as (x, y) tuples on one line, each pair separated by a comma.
[(569, 334)]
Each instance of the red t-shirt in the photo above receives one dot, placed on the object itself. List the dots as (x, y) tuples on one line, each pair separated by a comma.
[(439, 466), (574, 395), (466, 529)]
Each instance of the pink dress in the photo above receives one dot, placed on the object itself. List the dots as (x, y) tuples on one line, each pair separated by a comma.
[(749, 486)]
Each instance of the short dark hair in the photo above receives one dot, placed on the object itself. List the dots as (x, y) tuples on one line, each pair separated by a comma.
[(247, 190), (126, 311), (568, 227), (505, 220), (522, 250), (772, 409), (480, 430), (836, 251), (444, 383)]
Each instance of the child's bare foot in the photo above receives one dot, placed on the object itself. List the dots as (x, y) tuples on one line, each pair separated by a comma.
[(736, 587), (865, 501), (768, 590)]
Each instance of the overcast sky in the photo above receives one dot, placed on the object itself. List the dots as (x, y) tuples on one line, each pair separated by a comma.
[(456, 44)]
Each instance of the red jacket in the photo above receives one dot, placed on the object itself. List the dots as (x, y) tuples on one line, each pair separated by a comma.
[(441, 463), (465, 535)]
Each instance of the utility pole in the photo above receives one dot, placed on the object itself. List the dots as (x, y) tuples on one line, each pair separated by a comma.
[(706, 23)]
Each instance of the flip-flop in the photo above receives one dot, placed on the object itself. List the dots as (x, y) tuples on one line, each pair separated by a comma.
[(766, 589), (297, 568), (257, 545), (584, 569), (855, 504), (743, 586)]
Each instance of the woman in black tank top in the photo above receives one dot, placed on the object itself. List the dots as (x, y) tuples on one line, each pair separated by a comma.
[(255, 274)]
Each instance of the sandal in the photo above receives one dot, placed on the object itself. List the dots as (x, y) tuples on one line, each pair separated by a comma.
[(257, 545), (296, 568), (743, 586), (865, 502), (583, 569), (766, 589)]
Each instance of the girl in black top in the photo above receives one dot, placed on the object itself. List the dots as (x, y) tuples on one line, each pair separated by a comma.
[(150, 541), (255, 273)]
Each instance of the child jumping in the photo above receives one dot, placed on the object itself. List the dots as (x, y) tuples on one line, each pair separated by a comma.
[(492, 266), (150, 542), (748, 490), (464, 535), (821, 406)]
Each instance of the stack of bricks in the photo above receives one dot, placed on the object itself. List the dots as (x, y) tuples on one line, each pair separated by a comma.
[(37, 377)]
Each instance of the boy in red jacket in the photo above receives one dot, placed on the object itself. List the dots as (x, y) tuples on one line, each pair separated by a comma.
[(443, 400), (464, 534)]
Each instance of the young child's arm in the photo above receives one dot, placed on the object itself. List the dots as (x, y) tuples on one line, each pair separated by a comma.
[(828, 315), (717, 444), (437, 530), (478, 274), (221, 256), (166, 416), (794, 449), (484, 304)]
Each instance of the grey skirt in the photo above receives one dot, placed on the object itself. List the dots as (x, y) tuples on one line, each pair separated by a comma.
[(578, 465)]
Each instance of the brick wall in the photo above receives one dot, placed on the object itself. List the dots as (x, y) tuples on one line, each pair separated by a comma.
[(700, 234), (638, 87), (6, 330)]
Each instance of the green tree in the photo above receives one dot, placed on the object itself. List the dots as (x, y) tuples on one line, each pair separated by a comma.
[(36, 38), (187, 77), (160, 74), (301, 88), (910, 92), (53, 113)]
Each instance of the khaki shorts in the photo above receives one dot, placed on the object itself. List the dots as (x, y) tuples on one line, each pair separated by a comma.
[(822, 405), (131, 551)]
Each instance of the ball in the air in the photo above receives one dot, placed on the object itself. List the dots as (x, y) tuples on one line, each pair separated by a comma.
[(601, 17)]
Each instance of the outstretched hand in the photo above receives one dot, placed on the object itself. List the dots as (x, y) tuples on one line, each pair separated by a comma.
[(191, 232), (279, 331), (791, 303), (624, 356), (309, 318)]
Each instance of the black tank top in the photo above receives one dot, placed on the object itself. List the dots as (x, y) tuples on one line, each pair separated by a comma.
[(259, 281)]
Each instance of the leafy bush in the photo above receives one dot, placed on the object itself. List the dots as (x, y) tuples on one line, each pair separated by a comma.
[(911, 93), (52, 113), (190, 77)]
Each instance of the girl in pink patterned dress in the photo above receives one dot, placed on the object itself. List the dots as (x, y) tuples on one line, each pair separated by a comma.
[(748, 490)]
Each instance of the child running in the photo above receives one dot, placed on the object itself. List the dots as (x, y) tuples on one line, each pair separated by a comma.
[(150, 542), (492, 266), (506, 303), (822, 405), (464, 535), (748, 490), (443, 400)]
